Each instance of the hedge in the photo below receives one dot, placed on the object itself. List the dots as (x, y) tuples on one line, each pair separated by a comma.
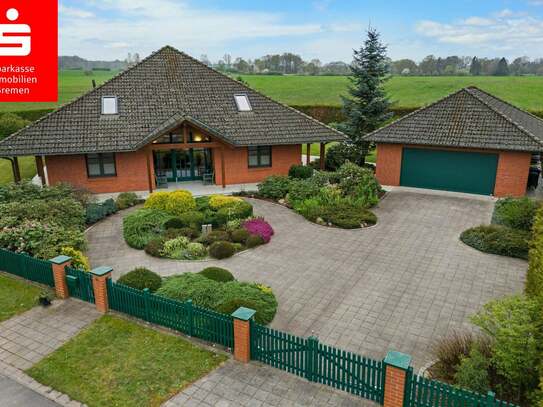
[(534, 278), (497, 239)]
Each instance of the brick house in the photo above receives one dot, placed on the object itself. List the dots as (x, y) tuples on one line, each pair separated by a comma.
[(167, 119), (470, 141)]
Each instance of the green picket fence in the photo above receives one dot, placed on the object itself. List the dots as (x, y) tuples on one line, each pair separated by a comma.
[(79, 284), (318, 362), (183, 317), (423, 392), (30, 268)]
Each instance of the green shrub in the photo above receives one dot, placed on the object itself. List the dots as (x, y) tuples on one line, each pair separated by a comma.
[(274, 187), (534, 278), (300, 171), (215, 236), (513, 324), (340, 153), (217, 274), (448, 351), (350, 217), (175, 202), (94, 212), (187, 232), (238, 210), (195, 251), (213, 218), (359, 183), (142, 225), (10, 123), (202, 203), (472, 372), (301, 190), (250, 295), (233, 224), (193, 219), (174, 248), (141, 278), (254, 241), (126, 200), (222, 250), (174, 223), (239, 235), (110, 206), (498, 239), (188, 286), (516, 213), (154, 247)]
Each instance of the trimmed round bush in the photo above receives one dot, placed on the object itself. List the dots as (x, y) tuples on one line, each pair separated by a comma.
[(516, 213), (175, 248), (202, 203), (497, 239), (254, 241), (222, 250), (302, 189), (250, 295), (142, 225), (215, 236), (274, 187), (193, 219), (189, 286), (175, 202), (259, 226), (220, 201), (154, 247), (239, 235), (195, 251), (141, 278), (238, 210), (217, 274), (126, 200), (300, 171), (352, 218), (188, 232)]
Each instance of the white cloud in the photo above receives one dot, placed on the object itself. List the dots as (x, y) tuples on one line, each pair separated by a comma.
[(74, 12), (143, 26), (504, 31)]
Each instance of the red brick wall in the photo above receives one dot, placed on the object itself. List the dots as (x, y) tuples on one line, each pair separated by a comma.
[(511, 176), (389, 164), (131, 172), (237, 169)]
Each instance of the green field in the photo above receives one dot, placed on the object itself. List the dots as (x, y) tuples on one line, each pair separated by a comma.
[(406, 92)]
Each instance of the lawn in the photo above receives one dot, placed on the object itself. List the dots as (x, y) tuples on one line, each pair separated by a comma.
[(27, 166), (407, 92), (115, 362), (16, 296)]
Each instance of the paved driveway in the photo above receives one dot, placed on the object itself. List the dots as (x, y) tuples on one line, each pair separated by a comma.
[(13, 394), (398, 285)]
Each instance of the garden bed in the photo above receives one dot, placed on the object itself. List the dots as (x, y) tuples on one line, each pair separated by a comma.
[(339, 199), (172, 225)]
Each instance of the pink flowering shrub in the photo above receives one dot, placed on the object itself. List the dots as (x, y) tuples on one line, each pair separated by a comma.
[(260, 227)]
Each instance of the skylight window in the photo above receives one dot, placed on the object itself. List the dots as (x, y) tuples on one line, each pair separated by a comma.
[(242, 102), (109, 105)]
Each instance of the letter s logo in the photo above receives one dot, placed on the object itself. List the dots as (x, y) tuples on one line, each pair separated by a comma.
[(10, 43)]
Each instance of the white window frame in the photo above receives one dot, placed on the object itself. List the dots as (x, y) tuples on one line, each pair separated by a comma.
[(116, 106), (245, 97)]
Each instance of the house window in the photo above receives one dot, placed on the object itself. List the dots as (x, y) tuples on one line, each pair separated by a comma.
[(260, 156), (109, 105), (242, 102), (101, 165)]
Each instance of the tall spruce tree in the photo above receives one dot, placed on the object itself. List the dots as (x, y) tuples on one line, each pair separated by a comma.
[(475, 68), (367, 107)]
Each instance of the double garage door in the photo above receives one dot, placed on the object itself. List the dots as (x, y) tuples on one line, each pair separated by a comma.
[(449, 170)]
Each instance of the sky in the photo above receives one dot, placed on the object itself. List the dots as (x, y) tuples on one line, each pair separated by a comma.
[(325, 29)]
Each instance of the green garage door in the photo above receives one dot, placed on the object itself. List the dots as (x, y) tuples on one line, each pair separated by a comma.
[(449, 170)]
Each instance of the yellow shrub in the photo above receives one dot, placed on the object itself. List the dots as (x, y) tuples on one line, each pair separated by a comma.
[(79, 260), (175, 202), (220, 201)]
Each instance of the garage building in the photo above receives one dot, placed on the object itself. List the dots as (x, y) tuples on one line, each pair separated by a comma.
[(470, 141)]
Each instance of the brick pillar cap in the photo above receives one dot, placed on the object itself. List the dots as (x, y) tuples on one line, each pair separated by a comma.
[(243, 313), (60, 259), (101, 271), (398, 359)]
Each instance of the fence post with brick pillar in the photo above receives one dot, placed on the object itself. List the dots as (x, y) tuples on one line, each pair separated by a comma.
[(396, 370), (100, 276), (242, 333), (59, 264)]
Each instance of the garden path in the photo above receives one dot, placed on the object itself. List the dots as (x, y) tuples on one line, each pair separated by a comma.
[(398, 285)]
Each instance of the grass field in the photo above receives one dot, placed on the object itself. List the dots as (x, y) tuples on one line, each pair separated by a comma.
[(115, 362), (16, 296), (27, 166)]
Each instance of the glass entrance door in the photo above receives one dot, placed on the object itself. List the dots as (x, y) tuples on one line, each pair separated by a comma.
[(182, 165)]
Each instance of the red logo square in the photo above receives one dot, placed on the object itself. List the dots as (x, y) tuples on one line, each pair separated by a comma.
[(29, 51)]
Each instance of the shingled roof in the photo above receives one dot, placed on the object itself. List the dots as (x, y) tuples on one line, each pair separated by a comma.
[(162, 91), (468, 118)]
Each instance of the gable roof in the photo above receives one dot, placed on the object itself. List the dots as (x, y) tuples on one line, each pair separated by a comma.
[(165, 89), (469, 118)]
